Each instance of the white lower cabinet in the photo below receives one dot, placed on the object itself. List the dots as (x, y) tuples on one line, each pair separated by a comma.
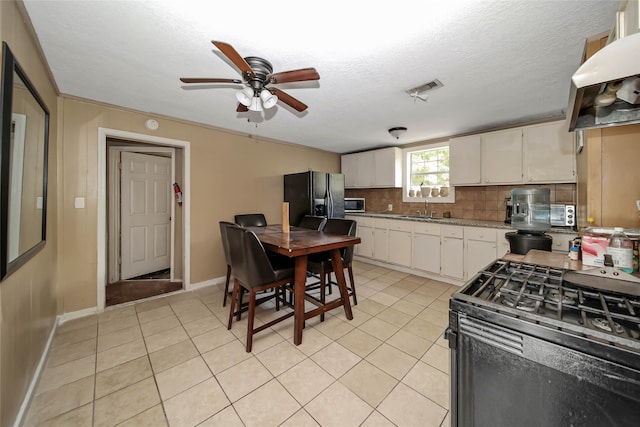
[(503, 243), (399, 235), (426, 247), (561, 241), (452, 252), (480, 249), (364, 230), (380, 243), (365, 248)]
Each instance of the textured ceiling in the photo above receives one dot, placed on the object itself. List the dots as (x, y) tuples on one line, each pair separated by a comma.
[(501, 62)]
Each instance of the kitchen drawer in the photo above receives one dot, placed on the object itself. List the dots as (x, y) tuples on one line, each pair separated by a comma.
[(482, 234), (363, 221), (427, 228), (380, 223), (399, 225), (452, 231)]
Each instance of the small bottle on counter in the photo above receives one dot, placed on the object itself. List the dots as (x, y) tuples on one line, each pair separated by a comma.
[(574, 253), (620, 247)]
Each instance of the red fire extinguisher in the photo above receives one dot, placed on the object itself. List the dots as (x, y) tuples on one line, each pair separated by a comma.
[(178, 191)]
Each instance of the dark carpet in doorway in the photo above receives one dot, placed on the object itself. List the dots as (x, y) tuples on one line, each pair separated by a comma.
[(131, 290), (162, 274)]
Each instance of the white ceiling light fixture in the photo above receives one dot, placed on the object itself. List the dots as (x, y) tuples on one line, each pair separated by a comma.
[(397, 131), (245, 96), (268, 99), (256, 105)]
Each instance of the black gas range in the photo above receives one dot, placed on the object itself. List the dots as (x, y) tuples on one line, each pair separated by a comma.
[(533, 345)]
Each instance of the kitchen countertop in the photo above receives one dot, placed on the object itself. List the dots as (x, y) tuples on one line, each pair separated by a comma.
[(454, 221), (552, 259)]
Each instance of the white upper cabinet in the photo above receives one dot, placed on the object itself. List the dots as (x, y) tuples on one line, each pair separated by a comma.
[(349, 167), (536, 154), (549, 153), (388, 167), (366, 176), (502, 157), (464, 160), (373, 169), (627, 20)]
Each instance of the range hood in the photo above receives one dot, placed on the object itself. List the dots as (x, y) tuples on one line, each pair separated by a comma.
[(605, 91)]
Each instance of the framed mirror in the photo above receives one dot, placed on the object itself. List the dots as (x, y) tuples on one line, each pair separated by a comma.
[(24, 132)]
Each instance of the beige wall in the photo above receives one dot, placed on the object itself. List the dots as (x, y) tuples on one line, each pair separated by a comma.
[(230, 174), (28, 297)]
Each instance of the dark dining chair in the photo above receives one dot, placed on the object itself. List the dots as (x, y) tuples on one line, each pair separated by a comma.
[(251, 220), (253, 271), (320, 264), (313, 222), (224, 225)]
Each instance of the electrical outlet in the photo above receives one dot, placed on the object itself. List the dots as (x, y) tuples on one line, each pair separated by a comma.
[(389, 207)]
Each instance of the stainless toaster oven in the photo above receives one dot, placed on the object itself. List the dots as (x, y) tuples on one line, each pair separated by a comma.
[(562, 215)]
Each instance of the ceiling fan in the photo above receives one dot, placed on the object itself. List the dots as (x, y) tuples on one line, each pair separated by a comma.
[(257, 74)]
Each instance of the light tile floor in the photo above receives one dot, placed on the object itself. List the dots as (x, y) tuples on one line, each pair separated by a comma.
[(172, 361)]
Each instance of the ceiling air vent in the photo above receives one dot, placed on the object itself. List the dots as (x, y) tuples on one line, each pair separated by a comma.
[(420, 92)]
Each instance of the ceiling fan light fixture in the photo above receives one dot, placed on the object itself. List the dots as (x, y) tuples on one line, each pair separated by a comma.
[(255, 105), (268, 99), (397, 131), (245, 96)]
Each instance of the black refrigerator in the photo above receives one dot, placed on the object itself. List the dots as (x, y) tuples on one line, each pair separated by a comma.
[(314, 193)]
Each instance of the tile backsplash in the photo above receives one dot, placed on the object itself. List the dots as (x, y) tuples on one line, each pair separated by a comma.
[(482, 202)]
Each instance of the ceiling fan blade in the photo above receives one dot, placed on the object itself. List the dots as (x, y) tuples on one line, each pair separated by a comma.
[(208, 80), (288, 99), (242, 108), (235, 57), (301, 75)]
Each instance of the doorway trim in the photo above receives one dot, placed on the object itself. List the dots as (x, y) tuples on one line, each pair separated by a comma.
[(103, 134)]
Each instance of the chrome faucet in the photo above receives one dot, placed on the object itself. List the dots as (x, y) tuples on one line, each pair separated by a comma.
[(426, 207)]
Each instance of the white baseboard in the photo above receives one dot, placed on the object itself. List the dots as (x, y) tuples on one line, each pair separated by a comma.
[(36, 377), (210, 282), (65, 317), (408, 270)]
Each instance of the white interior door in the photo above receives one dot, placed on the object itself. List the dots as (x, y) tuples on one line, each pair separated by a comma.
[(144, 214)]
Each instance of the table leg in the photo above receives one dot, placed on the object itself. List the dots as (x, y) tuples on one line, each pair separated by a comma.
[(298, 298), (338, 270)]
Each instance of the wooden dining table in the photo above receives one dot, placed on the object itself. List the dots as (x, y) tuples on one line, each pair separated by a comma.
[(298, 243)]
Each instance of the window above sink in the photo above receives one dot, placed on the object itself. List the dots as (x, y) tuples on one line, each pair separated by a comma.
[(426, 169)]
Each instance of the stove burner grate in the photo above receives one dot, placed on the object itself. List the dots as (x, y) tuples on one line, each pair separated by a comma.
[(536, 292), (555, 296), (603, 324)]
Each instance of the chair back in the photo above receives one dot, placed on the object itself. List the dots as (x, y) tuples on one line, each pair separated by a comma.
[(313, 222), (251, 220), (249, 261), (345, 227), (224, 225)]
